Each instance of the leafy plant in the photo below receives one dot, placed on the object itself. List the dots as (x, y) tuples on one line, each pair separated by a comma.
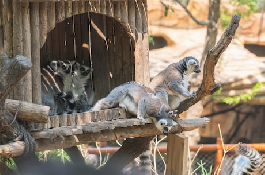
[(203, 170), (242, 97), (250, 6), (55, 155)]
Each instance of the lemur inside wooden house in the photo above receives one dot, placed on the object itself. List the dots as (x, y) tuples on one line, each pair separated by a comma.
[(67, 87)]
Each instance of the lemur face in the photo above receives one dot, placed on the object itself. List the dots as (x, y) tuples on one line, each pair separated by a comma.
[(82, 70), (61, 67), (193, 65), (165, 125)]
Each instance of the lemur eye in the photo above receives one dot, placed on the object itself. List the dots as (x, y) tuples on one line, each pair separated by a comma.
[(197, 66), (162, 124), (82, 69), (63, 66)]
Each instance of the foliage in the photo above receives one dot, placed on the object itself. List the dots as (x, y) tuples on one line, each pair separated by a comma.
[(151, 40), (9, 163), (242, 97), (249, 6), (203, 170), (54, 155)]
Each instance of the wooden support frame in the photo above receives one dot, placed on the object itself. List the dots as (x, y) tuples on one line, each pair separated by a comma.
[(177, 155)]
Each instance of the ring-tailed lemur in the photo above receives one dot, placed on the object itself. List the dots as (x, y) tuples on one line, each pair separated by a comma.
[(175, 80), (246, 166), (50, 85), (77, 86), (141, 101)]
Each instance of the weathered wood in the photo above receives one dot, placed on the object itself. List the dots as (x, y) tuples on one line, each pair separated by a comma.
[(75, 7), (1, 28), (11, 72), (35, 52), (18, 45), (103, 7), (59, 11), (63, 120), (208, 85), (177, 160), (69, 38), (26, 50), (8, 27), (12, 149), (78, 37), (99, 55), (51, 16), (85, 40), (81, 6), (124, 11), (28, 111), (68, 9), (110, 9), (131, 17), (43, 23)]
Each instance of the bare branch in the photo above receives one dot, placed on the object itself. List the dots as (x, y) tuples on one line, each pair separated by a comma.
[(205, 23), (208, 85)]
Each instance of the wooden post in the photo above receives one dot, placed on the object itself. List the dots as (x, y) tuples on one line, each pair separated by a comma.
[(18, 45), (43, 23), (8, 31), (26, 49), (59, 11), (68, 9), (35, 52), (219, 155), (51, 16), (177, 152)]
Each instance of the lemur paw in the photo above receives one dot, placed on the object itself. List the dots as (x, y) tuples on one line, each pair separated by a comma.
[(142, 119)]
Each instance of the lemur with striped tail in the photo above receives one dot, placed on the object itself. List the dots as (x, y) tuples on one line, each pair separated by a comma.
[(247, 166), (174, 80), (141, 101)]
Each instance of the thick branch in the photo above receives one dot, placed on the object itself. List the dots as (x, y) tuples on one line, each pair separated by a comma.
[(11, 72), (208, 86), (28, 111)]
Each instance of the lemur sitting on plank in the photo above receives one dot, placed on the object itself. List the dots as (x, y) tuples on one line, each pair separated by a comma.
[(141, 101), (174, 80)]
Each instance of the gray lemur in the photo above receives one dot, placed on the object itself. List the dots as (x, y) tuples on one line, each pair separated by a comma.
[(174, 80), (141, 101)]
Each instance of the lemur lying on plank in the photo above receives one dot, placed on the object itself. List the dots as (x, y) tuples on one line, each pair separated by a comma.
[(174, 80), (141, 101)]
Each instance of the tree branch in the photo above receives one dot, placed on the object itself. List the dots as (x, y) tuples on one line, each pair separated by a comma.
[(208, 85), (205, 23)]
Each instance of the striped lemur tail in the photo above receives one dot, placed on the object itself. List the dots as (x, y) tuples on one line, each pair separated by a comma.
[(145, 165), (254, 157)]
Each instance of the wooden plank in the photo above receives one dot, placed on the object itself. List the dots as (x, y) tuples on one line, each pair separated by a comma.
[(68, 9), (118, 48), (71, 120), (1, 29), (110, 52), (43, 23), (18, 45), (69, 38), (78, 38), (62, 120), (87, 117), (61, 37), (8, 28), (99, 55), (96, 6), (177, 160), (59, 11), (110, 9), (85, 40), (131, 20), (79, 119), (35, 53), (145, 42), (127, 61), (103, 9), (75, 7), (50, 16), (117, 10), (26, 49), (81, 6), (124, 12)]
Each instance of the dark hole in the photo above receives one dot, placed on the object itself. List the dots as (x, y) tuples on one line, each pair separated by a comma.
[(258, 50), (159, 42)]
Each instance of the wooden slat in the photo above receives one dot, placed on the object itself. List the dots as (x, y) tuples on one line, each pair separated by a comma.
[(63, 120), (8, 27), (79, 118), (81, 6), (1, 29), (85, 40), (43, 23), (18, 45), (96, 6), (124, 11), (61, 30), (78, 37), (99, 55), (110, 9), (71, 120), (26, 49), (69, 37), (103, 9), (68, 9), (50, 16), (75, 7), (110, 52), (59, 11)]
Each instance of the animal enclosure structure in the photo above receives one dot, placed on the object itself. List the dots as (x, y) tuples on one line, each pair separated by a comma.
[(111, 36)]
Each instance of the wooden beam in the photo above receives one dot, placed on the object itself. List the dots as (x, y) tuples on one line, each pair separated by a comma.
[(28, 111), (177, 159)]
